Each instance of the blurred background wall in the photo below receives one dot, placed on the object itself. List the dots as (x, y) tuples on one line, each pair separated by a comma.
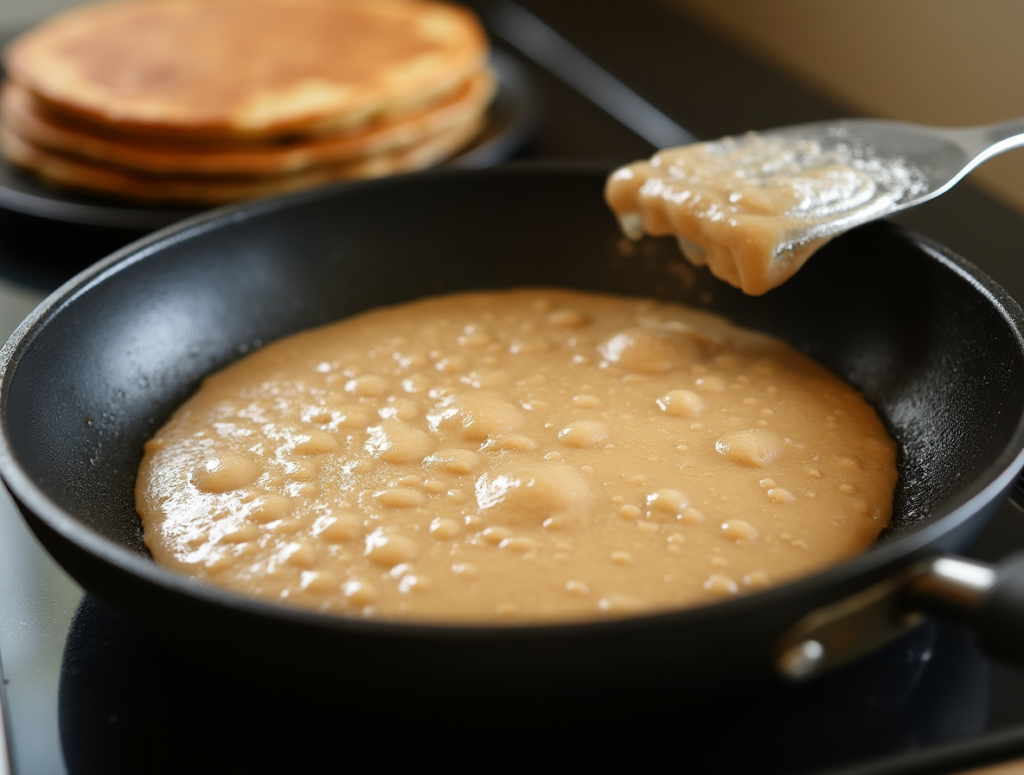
[(18, 12), (945, 62)]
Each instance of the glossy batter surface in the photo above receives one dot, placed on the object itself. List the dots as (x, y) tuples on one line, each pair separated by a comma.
[(529, 455)]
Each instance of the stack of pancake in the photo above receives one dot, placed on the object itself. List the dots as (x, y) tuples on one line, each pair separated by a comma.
[(210, 101)]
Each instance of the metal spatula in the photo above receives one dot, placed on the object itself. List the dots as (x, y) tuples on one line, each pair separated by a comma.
[(915, 163)]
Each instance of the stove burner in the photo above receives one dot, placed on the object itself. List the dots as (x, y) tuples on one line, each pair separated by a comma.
[(125, 698)]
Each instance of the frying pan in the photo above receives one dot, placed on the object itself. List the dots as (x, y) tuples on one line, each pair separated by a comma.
[(935, 345)]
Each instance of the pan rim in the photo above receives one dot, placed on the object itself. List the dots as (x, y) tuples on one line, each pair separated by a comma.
[(878, 562)]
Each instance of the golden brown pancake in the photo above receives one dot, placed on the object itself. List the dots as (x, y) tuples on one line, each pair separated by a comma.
[(69, 172), (22, 113), (247, 68)]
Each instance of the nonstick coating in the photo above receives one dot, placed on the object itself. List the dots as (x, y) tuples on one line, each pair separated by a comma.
[(931, 342)]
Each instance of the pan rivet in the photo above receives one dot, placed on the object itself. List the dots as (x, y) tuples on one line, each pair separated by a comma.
[(802, 660)]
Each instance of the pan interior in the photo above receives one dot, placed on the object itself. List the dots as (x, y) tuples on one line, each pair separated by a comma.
[(929, 347)]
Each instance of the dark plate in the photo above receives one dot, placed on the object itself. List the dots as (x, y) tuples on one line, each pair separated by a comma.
[(512, 118)]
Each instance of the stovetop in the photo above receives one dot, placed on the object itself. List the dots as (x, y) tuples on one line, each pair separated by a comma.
[(85, 692)]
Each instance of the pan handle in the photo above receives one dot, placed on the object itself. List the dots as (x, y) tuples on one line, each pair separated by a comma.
[(1017, 493), (989, 598)]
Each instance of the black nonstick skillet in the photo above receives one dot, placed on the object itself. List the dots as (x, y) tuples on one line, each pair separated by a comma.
[(935, 345)]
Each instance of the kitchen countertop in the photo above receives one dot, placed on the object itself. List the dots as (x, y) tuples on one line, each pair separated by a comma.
[(949, 692)]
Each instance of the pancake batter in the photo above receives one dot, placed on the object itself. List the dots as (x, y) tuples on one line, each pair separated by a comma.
[(529, 455), (753, 208)]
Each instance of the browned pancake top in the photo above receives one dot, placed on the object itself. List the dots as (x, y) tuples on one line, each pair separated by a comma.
[(262, 47), (225, 62)]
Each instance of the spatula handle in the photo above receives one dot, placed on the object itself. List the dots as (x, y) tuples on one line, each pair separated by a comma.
[(984, 142)]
